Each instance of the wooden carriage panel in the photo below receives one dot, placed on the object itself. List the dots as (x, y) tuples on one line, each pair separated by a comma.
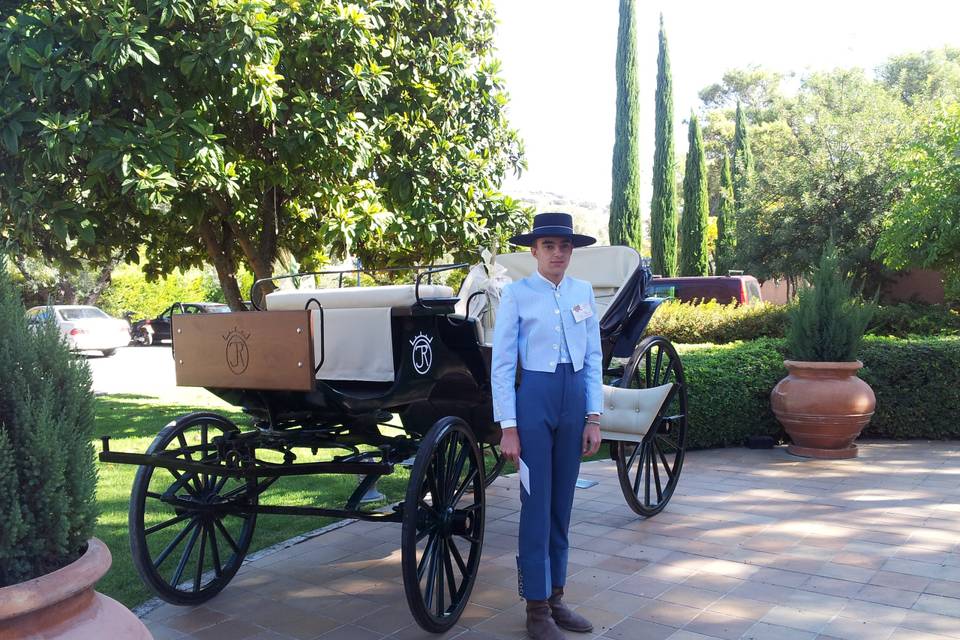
[(246, 350)]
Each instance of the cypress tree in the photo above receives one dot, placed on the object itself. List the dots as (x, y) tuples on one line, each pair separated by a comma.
[(742, 170), (663, 208), (726, 220), (624, 223), (696, 206)]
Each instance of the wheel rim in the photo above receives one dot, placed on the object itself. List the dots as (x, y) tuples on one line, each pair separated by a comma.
[(649, 470), (188, 531), (443, 527)]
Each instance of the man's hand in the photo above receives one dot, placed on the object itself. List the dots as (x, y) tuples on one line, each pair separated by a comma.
[(591, 439), (510, 445)]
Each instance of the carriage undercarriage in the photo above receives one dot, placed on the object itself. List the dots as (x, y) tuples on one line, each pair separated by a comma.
[(198, 488)]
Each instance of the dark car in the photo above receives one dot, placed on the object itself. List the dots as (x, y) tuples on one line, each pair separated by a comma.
[(738, 289), (152, 330)]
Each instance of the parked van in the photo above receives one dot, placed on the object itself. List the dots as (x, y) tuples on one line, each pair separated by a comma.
[(740, 289)]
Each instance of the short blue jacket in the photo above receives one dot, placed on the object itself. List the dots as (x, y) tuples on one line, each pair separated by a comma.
[(528, 329)]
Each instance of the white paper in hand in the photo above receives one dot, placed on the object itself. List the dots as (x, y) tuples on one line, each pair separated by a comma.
[(524, 476)]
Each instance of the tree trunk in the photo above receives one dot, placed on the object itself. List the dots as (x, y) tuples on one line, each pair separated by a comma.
[(218, 249), (103, 281)]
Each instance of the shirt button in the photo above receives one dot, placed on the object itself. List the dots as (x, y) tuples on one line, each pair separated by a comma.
[(552, 363), (557, 295), (556, 346), (556, 328), (556, 311)]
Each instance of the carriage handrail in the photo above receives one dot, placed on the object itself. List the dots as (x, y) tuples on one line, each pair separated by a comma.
[(430, 270)]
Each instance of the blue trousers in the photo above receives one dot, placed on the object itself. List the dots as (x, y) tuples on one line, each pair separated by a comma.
[(550, 419)]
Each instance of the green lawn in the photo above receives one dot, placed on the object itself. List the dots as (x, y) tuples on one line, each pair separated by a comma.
[(132, 421)]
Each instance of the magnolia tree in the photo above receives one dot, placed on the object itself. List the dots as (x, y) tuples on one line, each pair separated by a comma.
[(228, 131)]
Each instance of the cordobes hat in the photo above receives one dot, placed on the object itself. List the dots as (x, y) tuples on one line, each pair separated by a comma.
[(552, 225)]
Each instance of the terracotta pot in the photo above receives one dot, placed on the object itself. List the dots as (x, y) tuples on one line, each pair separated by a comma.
[(63, 604), (823, 406)]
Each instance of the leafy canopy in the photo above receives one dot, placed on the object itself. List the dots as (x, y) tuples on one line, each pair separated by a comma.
[(227, 131)]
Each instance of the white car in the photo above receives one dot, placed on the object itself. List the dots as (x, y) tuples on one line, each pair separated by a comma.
[(85, 328)]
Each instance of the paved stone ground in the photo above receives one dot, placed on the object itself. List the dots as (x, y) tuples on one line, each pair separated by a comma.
[(755, 544)]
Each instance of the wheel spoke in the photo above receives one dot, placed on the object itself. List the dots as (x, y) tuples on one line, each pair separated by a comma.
[(441, 552), (656, 471), (226, 535), (646, 483), (431, 573), (656, 369), (633, 457), (175, 581), (666, 465), (426, 532), (203, 547), (214, 549), (174, 543), (166, 523), (182, 482), (455, 552), (425, 558), (448, 565), (189, 456), (636, 481), (456, 472), (462, 489)]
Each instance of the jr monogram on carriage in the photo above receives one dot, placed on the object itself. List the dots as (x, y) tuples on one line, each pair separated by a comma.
[(383, 376)]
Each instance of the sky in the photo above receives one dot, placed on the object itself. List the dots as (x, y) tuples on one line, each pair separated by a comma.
[(558, 64)]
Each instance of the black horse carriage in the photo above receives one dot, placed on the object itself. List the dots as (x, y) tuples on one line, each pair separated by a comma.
[(381, 376)]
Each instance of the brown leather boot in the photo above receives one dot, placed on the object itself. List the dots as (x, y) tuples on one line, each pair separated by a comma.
[(564, 617), (539, 624)]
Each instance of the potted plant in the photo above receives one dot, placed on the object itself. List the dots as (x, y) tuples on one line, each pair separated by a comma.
[(49, 561), (822, 403)]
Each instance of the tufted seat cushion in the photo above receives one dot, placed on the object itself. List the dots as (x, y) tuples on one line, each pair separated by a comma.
[(628, 413), (397, 295)]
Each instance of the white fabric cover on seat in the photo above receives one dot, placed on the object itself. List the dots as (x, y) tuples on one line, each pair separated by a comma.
[(606, 268), (628, 413), (358, 344), (356, 330), (397, 295)]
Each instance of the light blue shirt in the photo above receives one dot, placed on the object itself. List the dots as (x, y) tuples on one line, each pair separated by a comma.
[(535, 325)]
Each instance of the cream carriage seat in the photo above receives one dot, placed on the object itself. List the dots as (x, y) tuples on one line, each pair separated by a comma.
[(356, 332), (606, 268)]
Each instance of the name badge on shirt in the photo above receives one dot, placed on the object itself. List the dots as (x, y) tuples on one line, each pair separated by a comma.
[(581, 312)]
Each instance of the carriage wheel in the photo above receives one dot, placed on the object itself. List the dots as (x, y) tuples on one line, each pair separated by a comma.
[(189, 532), (493, 462), (443, 525), (649, 470)]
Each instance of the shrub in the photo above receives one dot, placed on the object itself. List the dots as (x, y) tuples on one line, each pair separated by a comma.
[(47, 473), (916, 381), (827, 324), (917, 384), (915, 319), (687, 323), (728, 391)]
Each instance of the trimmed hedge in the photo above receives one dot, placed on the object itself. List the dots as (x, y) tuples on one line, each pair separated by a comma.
[(916, 381), (686, 323)]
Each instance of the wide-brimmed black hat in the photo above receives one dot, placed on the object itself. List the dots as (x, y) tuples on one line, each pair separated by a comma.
[(553, 225)]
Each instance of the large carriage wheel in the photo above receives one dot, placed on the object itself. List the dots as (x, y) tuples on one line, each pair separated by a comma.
[(189, 532), (649, 471), (443, 519)]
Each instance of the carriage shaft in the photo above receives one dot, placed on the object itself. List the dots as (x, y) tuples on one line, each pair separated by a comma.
[(267, 471)]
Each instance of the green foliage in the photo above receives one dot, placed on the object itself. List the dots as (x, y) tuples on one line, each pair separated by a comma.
[(696, 207), (625, 228), (728, 391), (827, 324), (663, 207), (923, 229), (916, 381), (223, 132), (743, 166), (130, 290), (686, 323), (46, 460), (917, 384), (924, 77), (726, 220)]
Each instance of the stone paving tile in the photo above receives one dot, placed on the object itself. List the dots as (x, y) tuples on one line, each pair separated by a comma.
[(755, 545)]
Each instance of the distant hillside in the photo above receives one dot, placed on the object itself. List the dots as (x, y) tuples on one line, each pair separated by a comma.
[(589, 217)]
